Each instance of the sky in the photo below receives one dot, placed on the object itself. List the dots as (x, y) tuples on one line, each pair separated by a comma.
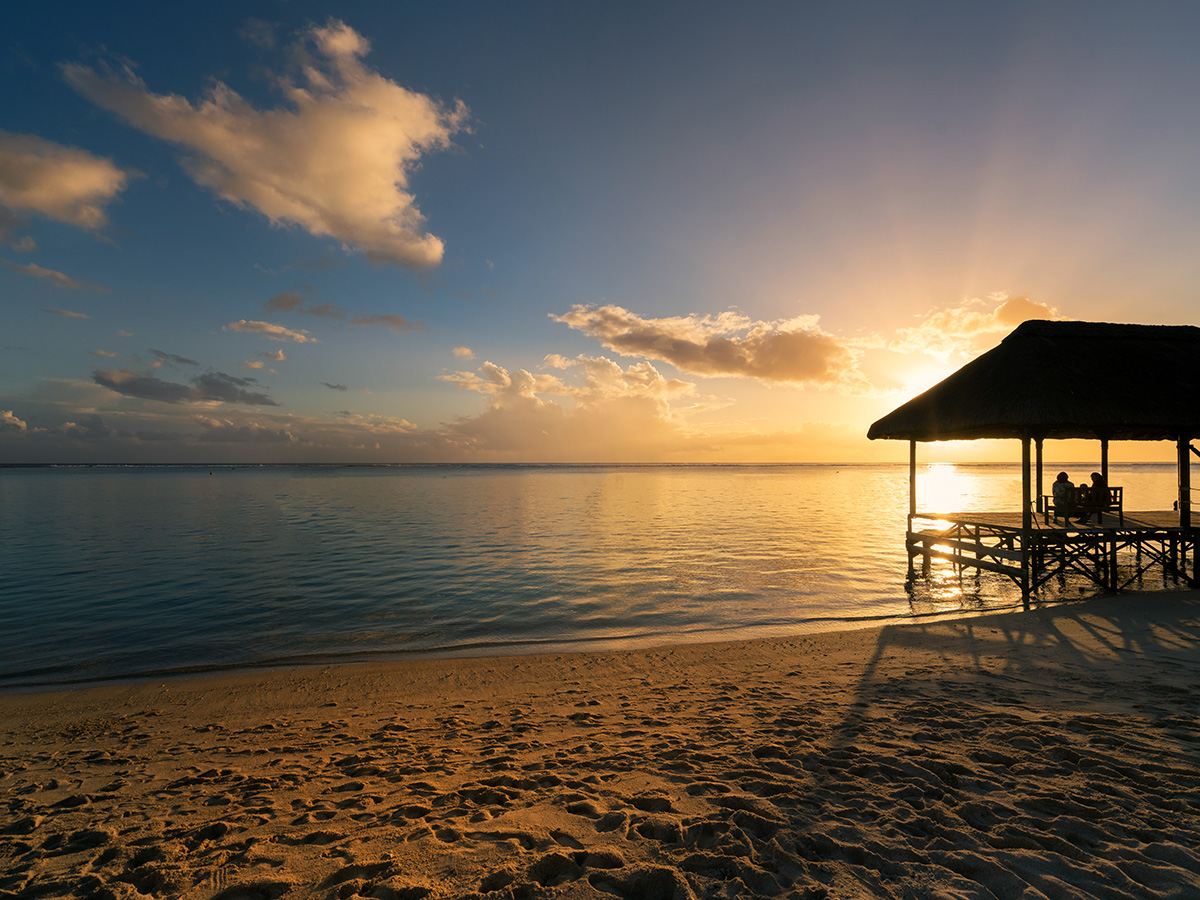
[(568, 232)]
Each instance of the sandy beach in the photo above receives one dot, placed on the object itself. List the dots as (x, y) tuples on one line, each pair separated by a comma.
[(1053, 753)]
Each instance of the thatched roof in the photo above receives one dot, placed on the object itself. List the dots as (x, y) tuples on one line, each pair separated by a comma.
[(1064, 380)]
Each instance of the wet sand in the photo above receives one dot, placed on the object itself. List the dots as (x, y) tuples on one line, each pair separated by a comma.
[(1054, 753)]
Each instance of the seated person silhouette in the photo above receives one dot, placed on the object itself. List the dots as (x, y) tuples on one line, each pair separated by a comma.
[(1063, 494), (1096, 499)]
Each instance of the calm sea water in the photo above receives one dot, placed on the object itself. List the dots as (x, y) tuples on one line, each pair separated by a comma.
[(136, 571)]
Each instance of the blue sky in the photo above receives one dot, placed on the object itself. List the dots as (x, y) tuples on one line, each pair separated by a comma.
[(565, 232)]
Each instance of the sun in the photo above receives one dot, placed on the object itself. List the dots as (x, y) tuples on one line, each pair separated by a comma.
[(919, 378)]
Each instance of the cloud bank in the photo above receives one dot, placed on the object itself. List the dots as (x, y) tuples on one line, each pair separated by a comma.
[(794, 350), (588, 409), (229, 432), (62, 183), (334, 159)]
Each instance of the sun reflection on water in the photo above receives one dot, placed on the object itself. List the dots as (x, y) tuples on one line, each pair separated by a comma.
[(941, 488)]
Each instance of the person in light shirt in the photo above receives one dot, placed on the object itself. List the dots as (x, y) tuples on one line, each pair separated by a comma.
[(1063, 494)]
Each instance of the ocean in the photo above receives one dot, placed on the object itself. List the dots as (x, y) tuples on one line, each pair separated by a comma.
[(143, 571)]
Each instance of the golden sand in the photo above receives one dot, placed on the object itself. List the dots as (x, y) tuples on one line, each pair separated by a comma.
[(1053, 753)]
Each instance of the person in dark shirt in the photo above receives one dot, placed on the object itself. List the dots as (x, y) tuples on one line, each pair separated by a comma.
[(1097, 499)]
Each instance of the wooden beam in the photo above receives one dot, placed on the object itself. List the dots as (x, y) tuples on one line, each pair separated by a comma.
[(929, 540), (972, 563)]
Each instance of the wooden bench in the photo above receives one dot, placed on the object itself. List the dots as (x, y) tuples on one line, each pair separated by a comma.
[(1115, 504)]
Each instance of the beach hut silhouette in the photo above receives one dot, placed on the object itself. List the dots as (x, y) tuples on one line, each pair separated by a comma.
[(1059, 380)]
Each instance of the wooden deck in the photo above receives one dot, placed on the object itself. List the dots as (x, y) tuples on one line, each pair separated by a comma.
[(1152, 520), (1111, 554)]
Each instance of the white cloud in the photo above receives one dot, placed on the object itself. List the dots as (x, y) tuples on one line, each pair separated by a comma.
[(68, 314), (794, 350), (463, 352), (271, 331), (273, 355), (62, 183), (334, 159)]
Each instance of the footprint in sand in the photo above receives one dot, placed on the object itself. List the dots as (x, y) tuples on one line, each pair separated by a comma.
[(258, 890)]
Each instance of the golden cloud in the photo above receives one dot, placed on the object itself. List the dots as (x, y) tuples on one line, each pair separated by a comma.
[(334, 159), (970, 327), (62, 183), (794, 350)]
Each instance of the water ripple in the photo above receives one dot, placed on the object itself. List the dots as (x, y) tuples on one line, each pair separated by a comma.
[(131, 571)]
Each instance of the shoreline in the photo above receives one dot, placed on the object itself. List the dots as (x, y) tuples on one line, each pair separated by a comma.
[(1055, 748), (529, 648)]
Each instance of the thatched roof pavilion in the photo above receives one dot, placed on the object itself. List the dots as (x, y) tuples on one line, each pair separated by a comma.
[(1062, 380), (1092, 380)]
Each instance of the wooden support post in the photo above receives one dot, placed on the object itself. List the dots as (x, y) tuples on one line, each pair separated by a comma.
[(1185, 481), (912, 508), (1038, 493), (1026, 518), (1185, 497), (1112, 562), (912, 481)]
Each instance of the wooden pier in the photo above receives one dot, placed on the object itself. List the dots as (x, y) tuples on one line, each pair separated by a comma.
[(1111, 555), (1053, 380)]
